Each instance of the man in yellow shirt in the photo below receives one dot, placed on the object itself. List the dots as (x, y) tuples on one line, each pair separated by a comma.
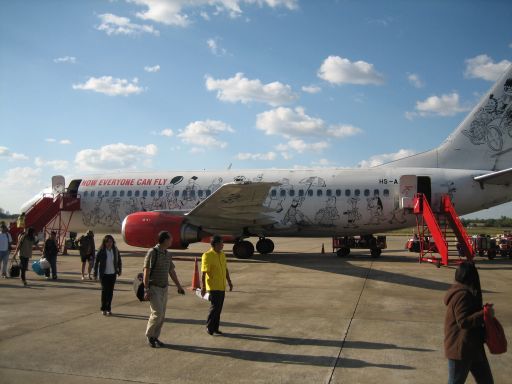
[(215, 274)]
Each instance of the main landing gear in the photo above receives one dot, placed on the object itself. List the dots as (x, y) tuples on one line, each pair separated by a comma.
[(244, 249)]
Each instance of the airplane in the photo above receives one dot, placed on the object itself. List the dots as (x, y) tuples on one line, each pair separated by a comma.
[(472, 166)]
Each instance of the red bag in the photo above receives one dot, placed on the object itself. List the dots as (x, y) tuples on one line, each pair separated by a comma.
[(494, 334)]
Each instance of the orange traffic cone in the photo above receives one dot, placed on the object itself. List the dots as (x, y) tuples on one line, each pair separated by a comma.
[(323, 250), (196, 281)]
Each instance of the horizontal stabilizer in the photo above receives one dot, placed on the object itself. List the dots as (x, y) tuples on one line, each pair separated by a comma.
[(503, 177)]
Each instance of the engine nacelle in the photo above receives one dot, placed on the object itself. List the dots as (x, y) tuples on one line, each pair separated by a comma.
[(140, 229)]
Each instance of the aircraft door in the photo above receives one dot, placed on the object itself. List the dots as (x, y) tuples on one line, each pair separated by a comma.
[(424, 186), (408, 187)]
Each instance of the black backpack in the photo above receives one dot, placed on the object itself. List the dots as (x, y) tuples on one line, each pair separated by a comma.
[(138, 282), (14, 270)]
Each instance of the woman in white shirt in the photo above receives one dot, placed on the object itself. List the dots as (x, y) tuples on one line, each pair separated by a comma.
[(107, 265)]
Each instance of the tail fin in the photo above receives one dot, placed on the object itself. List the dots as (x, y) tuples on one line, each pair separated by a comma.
[(482, 141)]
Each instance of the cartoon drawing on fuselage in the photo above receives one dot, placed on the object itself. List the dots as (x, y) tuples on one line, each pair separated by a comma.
[(239, 204)]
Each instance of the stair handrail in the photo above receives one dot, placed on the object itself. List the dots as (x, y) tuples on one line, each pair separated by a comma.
[(421, 206), (459, 229)]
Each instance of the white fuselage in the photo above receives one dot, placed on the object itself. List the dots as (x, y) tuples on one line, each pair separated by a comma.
[(322, 202)]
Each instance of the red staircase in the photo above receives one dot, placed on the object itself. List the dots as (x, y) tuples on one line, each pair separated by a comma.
[(428, 225), (46, 214)]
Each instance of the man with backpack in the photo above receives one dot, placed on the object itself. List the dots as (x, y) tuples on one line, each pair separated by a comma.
[(157, 266), (87, 248)]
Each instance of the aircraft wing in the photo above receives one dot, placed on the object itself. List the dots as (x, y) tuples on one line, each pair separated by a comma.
[(234, 206), (503, 177)]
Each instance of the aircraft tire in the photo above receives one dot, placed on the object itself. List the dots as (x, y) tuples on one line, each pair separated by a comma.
[(265, 246), (243, 250), (343, 252), (375, 252)]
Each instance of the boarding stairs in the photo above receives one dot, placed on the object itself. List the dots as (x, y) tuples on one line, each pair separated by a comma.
[(450, 240), (53, 212)]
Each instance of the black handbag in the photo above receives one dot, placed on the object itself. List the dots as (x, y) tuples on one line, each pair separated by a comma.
[(138, 286), (14, 270)]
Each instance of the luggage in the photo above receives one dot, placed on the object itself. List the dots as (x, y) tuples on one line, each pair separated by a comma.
[(44, 263), (14, 270), (36, 267), (494, 334), (138, 286)]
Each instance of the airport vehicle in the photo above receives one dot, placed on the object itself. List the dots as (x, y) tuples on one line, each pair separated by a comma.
[(472, 167), (484, 245)]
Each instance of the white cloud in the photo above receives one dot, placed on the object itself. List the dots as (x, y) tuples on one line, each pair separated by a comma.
[(58, 165), (444, 105), (288, 122), (385, 158), (342, 131), (241, 89), (166, 132), (118, 25), (65, 59), (483, 67), (295, 122), (338, 70), (65, 142), (415, 80), (153, 69), (5, 153), (21, 177), (110, 86), (214, 47), (269, 156), (50, 140), (203, 133), (171, 12), (311, 89), (115, 157), (301, 146)]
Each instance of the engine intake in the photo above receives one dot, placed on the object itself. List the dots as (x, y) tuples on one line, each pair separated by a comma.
[(141, 229)]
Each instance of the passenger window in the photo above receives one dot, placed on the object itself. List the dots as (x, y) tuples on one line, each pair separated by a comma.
[(200, 193), (367, 192), (192, 194), (319, 192), (152, 193), (357, 192), (301, 192), (310, 192), (86, 193), (121, 193), (100, 193), (386, 193), (273, 193), (347, 192), (328, 193), (184, 193), (137, 193), (144, 193), (338, 192), (92, 193), (160, 193), (292, 192), (129, 194), (282, 192), (376, 192), (176, 193), (208, 192), (107, 193), (114, 193)]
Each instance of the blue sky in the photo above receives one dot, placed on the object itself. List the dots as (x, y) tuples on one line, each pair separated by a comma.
[(95, 86)]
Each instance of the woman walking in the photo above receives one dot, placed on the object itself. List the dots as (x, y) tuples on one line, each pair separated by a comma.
[(24, 247), (107, 265), (51, 250)]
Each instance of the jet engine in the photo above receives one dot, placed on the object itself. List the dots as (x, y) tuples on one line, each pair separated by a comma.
[(141, 229)]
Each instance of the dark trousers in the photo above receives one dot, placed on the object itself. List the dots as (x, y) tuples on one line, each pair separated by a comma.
[(53, 267), (23, 267), (107, 291), (217, 301), (458, 371)]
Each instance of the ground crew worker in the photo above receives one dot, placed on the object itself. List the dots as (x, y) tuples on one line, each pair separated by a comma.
[(21, 221), (214, 275)]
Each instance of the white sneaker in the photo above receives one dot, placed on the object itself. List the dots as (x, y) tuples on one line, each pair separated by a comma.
[(104, 313), (83, 277)]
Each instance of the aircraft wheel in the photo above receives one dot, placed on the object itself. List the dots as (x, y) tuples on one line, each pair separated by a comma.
[(265, 246), (375, 252), (243, 250), (343, 252)]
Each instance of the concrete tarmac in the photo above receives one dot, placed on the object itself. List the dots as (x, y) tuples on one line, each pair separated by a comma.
[(296, 316)]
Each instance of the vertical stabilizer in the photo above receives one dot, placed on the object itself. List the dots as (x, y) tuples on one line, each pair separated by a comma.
[(482, 141)]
